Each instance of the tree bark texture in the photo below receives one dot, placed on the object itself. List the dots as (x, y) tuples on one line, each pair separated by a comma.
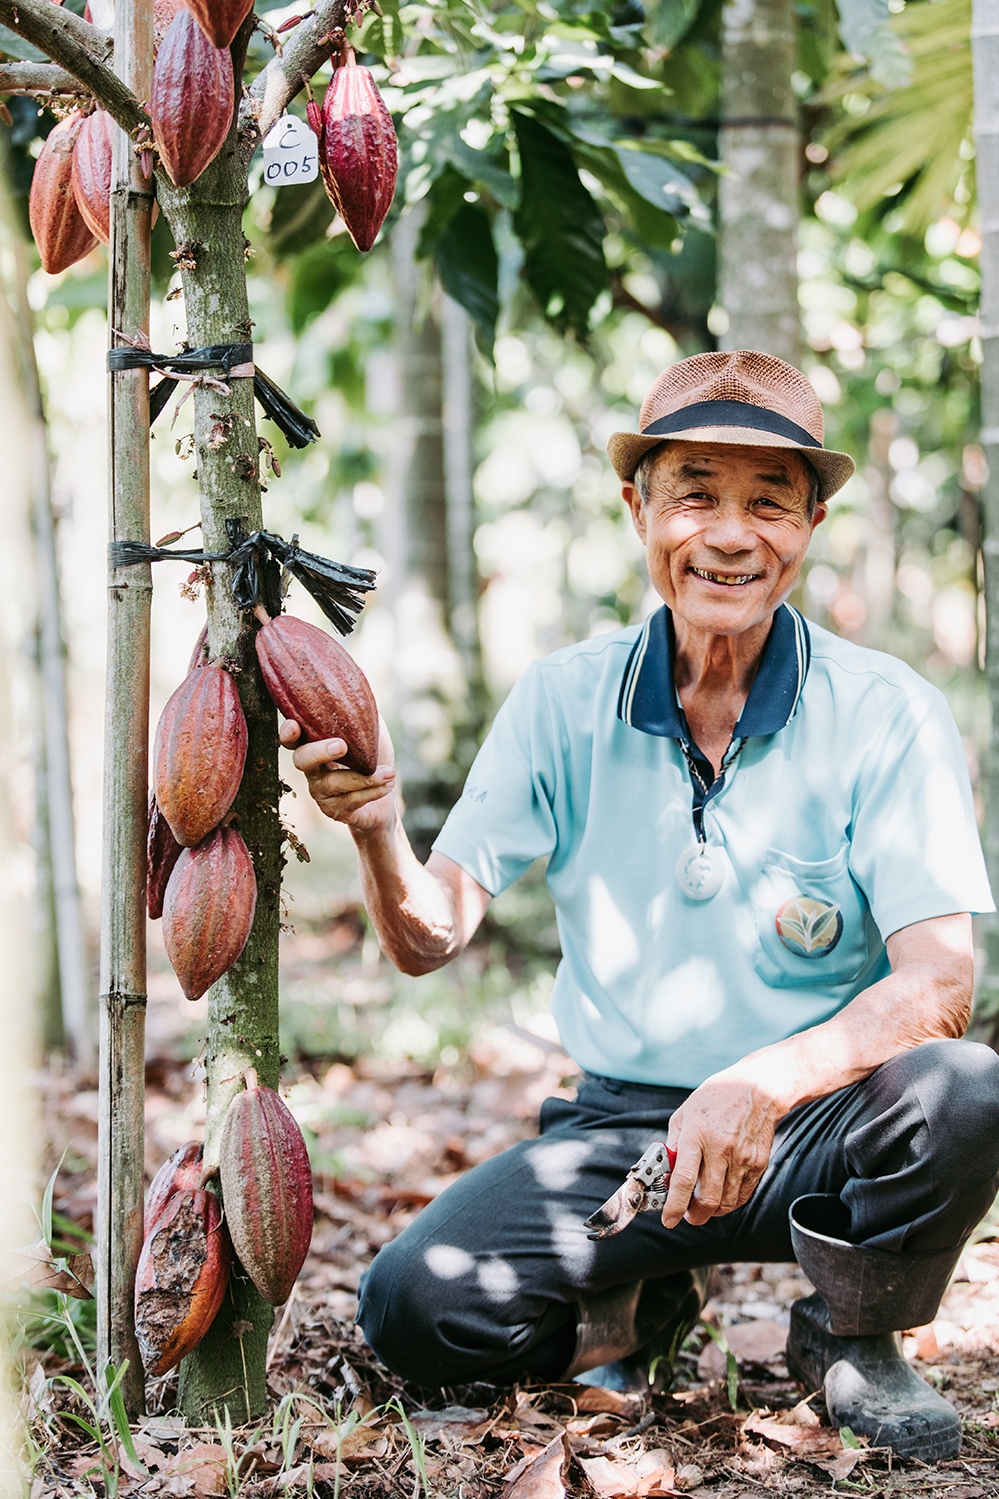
[(985, 58), (758, 196), (118, 1224), (227, 1368)]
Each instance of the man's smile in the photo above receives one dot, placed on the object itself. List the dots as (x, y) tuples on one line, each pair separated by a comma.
[(730, 580)]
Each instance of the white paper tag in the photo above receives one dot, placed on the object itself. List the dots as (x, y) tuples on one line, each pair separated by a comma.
[(291, 153)]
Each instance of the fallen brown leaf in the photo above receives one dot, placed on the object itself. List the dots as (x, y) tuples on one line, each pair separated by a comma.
[(617, 1478), (201, 1467), (459, 1423), (356, 1446), (595, 1398), (543, 1478), (800, 1434)]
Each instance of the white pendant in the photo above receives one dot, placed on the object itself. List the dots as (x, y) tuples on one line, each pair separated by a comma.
[(700, 871), (291, 153)]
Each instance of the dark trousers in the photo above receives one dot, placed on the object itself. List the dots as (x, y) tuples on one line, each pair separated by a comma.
[(482, 1285)]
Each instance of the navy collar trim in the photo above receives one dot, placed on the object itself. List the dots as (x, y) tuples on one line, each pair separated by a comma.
[(648, 700)]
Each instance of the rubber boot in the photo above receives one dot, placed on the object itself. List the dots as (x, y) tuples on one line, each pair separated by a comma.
[(627, 1338), (845, 1340)]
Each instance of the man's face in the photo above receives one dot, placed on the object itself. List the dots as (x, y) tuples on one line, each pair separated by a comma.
[(725, 531)]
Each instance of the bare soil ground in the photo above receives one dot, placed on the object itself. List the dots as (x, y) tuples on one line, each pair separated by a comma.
[(386, 1137)]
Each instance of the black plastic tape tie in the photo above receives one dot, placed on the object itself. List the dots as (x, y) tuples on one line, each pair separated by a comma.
[(337, 587), (298, 428)]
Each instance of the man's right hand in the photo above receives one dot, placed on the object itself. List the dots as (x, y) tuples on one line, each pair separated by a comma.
[(366, 804)]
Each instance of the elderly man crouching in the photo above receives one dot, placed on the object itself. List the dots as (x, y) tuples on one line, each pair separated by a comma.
[(763, 854)]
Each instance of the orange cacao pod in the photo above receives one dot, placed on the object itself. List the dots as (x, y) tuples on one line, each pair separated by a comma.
[(181, 1279), (92, 173), (192, 99), (57, 224), (182, 1172), (266, 1188), (313, 680), (199, 753), (208, 910), (162, 853), (358, 151), (220, 19)]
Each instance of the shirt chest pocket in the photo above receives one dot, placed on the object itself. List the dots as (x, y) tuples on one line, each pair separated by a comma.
[(811, 922)]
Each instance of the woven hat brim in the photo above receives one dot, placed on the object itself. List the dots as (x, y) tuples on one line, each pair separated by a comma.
[(625, 449)]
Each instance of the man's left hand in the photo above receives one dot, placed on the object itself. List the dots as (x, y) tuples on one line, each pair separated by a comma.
[(722, 1134)]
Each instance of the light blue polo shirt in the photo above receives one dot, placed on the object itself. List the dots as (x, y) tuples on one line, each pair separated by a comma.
[(844, 813)]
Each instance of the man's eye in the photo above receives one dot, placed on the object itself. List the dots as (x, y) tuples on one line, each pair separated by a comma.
[(771, 504)]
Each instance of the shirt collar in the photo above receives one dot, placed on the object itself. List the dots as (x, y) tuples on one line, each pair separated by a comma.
[(648, 700)]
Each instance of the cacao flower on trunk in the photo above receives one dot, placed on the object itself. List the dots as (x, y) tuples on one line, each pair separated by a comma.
[(220, 19), (162, 853), (208, 910), (313, 680), (192, 99), (358, 150), (182, 1172), (181, 1280), (266, 1188), (199, 753), (92, 173), (59, 228)]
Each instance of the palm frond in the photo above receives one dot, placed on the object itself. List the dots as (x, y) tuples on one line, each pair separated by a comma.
[(912, 135)]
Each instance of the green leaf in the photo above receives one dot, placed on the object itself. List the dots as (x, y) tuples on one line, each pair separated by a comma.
[(444, 199), (560, 228), (668, 21), (300, 217), (468, 267), (319, 274), (848, 1439), (864, 27), (12, 45), (484, 171)]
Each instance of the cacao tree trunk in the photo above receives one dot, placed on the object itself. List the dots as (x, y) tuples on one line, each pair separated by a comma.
[(985, 59), (758, 207), (227, 1370)]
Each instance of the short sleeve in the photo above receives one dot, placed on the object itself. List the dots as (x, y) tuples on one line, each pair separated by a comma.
[(504, 820), (915, 850)]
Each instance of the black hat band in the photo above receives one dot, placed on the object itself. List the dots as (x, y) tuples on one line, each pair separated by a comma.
[(730, 414)]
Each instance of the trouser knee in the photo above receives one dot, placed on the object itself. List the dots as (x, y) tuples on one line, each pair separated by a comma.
[(956, 1084), (400, 1320)]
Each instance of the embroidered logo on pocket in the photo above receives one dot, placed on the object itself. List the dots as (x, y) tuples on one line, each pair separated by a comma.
[(809, 928)]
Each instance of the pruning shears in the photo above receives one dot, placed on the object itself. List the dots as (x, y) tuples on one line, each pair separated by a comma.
[(643, 1190)]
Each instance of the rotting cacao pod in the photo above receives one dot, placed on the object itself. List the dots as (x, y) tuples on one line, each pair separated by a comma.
[(181, 1279), (266, 1188), (192, 99), (183, 1172), (162, 853), (59, 228), (313, 680), (220, 19), (92, 173), (199, 753), (358, 150), (208, 910)]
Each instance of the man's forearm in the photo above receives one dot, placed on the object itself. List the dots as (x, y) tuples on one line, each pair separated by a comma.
[(413, 912), (921, 1001)]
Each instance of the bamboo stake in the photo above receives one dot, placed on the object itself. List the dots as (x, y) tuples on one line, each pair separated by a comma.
[(985, 59), (123, 916)]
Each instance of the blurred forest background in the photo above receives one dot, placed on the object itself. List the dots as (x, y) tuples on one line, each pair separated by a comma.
[(553, 246)]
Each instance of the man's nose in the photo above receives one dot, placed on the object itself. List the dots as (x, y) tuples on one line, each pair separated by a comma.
[(729, 530)]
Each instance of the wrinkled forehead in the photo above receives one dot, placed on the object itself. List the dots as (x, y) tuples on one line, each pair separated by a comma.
[(781, 468)]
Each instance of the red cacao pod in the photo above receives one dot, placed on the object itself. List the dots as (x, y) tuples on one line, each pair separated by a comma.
[(199, 753), (162, 853), (266, 1188), (220, 19), (92, 173), (208, 910), (192, 99), (163, 14), (199, 656), (182, 1172), (59, 228), (358, 152), (181, 1280), (313, 680)]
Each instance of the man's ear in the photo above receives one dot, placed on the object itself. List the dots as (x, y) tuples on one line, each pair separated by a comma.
[(636, 505), (819, 515)]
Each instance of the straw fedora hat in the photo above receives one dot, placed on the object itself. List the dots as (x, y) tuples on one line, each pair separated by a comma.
[(744, 398)]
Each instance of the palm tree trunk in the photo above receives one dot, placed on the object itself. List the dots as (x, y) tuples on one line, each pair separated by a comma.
[(758, 197), (985, 59)]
